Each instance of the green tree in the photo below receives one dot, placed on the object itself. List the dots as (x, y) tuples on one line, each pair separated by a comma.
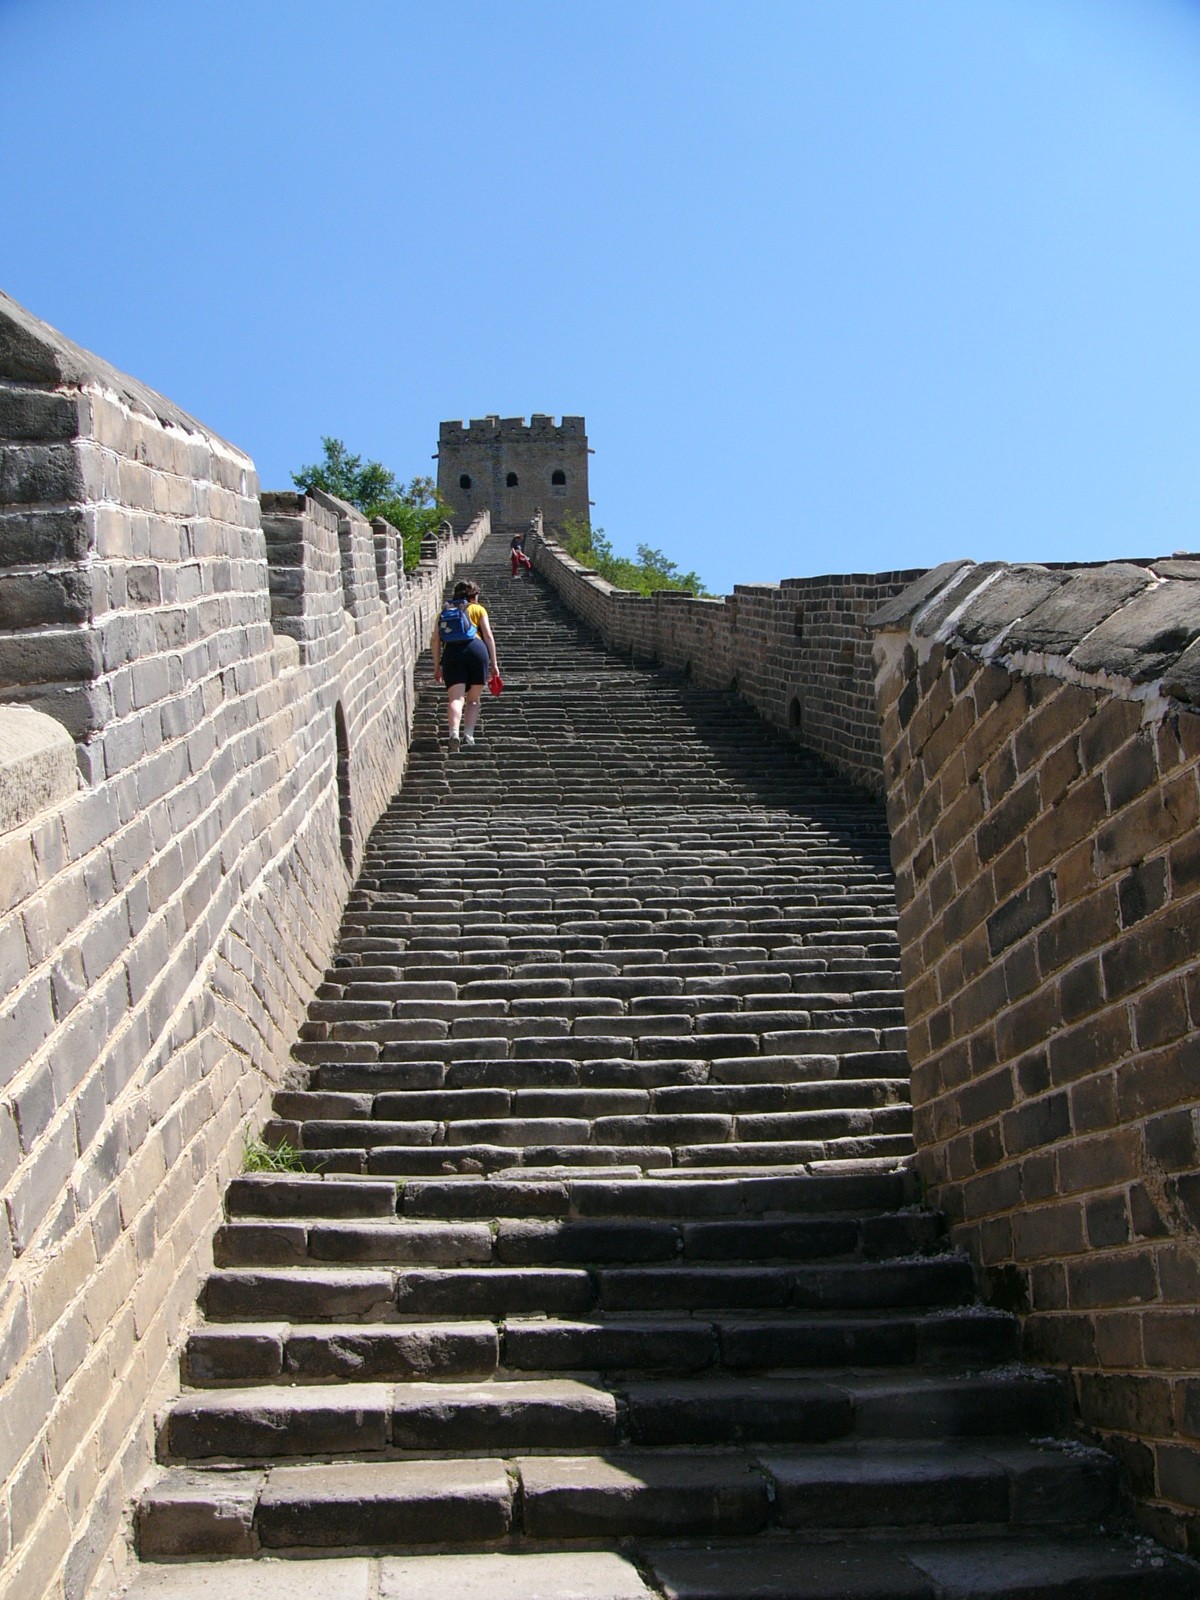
[(414, 509), (652, 569)]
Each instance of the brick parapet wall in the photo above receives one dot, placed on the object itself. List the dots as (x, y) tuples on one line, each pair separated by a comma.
[(166, 914), (799, 652), (1041, 734)]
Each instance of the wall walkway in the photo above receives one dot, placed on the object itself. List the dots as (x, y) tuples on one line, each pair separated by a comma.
[(798, 652)]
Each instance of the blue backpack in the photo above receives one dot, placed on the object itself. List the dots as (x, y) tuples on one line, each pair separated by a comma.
[(454, 625)]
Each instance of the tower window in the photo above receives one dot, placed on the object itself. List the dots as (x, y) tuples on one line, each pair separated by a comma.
[(465, 481), (558, 476), (511, 480)]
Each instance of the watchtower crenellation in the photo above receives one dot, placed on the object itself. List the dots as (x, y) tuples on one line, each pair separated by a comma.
[(511, 467)]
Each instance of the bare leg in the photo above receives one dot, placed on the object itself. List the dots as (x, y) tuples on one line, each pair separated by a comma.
[(471, 716), (454, 707)]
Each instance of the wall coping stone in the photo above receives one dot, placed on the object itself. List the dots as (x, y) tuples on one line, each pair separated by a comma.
[(1130, 627), (37, 764), (909, 601), (31, 351)]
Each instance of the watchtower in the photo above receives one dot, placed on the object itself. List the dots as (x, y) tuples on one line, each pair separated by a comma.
[(511, 467)]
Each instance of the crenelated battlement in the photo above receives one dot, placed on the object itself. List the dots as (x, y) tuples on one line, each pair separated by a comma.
[(539, 427)]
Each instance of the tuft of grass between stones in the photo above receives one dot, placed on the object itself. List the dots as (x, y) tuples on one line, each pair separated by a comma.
[(259, 1157)]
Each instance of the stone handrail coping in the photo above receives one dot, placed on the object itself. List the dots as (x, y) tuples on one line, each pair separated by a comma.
[(31, 351), (37, 764), (1134, 622)]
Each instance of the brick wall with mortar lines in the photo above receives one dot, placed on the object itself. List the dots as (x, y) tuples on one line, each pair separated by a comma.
[(163, 926), (799, 653), (1041, 733)]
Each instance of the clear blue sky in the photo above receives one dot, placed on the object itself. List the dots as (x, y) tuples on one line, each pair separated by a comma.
[(838, 284)]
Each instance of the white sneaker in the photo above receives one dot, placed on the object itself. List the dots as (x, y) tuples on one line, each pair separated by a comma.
[(469, 738)]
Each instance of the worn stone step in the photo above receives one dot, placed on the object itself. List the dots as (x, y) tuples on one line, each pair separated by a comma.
[(381, 1505), (393, 1241), (859, 1286), (331, 1295), (774, 1161), (750, 1197), (885, 1339), (484, 1416), (719, 1409), (1089, 1568), (412, 1161), (788, 1155), (475, 1065), (219, 1354), (305, 1294), (495, 1291), (933, 1485), (565, 1497), (322, 1295), (726, 1409), (532, 1243), (264, 1422), (457, 1104), (274, 1195), (500, 1418), (748, 1343), (515, 1130), (684, 1197)]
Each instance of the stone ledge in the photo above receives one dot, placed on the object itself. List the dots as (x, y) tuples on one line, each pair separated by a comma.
[(1135, 623), (37, 765), (31, 351)]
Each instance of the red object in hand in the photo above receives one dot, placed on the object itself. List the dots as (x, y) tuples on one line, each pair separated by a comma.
[(495, 683)]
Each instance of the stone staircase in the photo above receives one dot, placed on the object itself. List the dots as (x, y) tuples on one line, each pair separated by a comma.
[(607, 1278)]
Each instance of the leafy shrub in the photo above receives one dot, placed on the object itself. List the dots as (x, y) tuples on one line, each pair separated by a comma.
[(414, 509), (652, 569)]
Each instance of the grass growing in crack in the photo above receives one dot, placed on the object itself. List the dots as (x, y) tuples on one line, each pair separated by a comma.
[(259, 1157)]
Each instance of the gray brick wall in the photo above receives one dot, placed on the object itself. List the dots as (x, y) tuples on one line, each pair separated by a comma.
[(1041, 731), (163, 928)]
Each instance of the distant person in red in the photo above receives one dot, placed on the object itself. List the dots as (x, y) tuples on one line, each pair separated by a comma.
[(520, 561)]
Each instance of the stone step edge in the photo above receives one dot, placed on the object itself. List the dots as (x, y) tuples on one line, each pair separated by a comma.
[(891, 1183), (689, 1493), (888, 1404), (248, 1246)]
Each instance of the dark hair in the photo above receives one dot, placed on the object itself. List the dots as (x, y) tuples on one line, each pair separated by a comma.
[(465, 590)]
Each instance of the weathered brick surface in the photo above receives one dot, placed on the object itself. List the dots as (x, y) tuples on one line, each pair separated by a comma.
[(1044, 814), (239, 688), (800, 653)]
